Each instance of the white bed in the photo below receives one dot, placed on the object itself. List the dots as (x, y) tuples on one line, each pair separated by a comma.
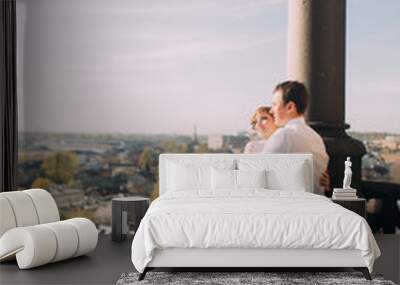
[(200, 220)]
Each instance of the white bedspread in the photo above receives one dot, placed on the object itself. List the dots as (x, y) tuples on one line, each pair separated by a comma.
[(250, 219)]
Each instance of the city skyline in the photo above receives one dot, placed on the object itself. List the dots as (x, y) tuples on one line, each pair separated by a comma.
[(145, 67)]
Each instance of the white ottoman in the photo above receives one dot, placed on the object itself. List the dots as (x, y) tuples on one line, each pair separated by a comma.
[(41, 244), (31, 232)]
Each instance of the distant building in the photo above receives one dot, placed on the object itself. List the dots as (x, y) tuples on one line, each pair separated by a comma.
[(215, 142), (81, 147), (236, 143), (67, 198), (233, 143), (390, 144)]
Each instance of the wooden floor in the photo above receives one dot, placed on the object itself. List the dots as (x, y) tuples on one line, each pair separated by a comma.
[(389, 262), (111, 259)]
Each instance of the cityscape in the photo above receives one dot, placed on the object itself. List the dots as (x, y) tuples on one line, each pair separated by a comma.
[(84, 172)]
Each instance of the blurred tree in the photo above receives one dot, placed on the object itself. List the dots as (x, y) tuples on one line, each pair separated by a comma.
[(22, 157), (146, 160), (169, 146), (155, 193), (43, 183), (137, 184), (61, 167), (184, 148), (202, 148), (27, 173), (75, 213)]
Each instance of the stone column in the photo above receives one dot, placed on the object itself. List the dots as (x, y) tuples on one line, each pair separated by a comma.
[(316, 57)]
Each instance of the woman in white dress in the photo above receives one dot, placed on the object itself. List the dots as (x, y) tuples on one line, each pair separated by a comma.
[(262, 122)]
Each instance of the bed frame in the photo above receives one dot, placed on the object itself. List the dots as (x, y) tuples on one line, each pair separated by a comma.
[(240, 259), (243, 259)]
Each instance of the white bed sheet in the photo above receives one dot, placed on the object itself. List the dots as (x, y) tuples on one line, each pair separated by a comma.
[(250, 218)]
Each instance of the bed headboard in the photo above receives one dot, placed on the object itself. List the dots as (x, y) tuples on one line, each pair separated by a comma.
[(216, 157)]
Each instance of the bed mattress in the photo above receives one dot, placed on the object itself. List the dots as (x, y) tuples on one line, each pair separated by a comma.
[(250, 219)]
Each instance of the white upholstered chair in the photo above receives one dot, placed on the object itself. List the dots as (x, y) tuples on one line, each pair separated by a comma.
[(31, 230)]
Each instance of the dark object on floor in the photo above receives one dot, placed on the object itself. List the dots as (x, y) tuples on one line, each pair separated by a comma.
[(125, 211), (172, 278), (143, 274), (364, 271)]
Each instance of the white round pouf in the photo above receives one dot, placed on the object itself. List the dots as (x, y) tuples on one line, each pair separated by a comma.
[(32, 233)]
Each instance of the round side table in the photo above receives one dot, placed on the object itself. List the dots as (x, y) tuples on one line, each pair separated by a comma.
[(127, 212)]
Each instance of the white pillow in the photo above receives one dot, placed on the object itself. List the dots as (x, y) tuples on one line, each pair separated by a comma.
[(251, 179), (183, 177), (237, 179), (223, 179), (187, 174), (281, 174)]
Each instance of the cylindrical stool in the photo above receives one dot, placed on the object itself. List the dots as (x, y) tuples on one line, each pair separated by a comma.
[(125, 211)]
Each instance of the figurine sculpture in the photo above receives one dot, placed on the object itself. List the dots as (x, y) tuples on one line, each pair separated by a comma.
[(347, 174)]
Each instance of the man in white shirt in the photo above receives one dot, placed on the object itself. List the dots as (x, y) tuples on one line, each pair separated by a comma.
[(289, 104)]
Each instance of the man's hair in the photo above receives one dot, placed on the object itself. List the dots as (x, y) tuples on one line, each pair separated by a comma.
[(296, 92)]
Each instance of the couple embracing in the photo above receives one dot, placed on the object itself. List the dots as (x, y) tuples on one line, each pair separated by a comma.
[(282, 129)]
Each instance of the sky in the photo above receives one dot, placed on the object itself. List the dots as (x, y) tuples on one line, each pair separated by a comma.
[(154, 66)]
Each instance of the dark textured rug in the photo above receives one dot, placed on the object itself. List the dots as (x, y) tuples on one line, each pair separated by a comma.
[(225, 278)]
